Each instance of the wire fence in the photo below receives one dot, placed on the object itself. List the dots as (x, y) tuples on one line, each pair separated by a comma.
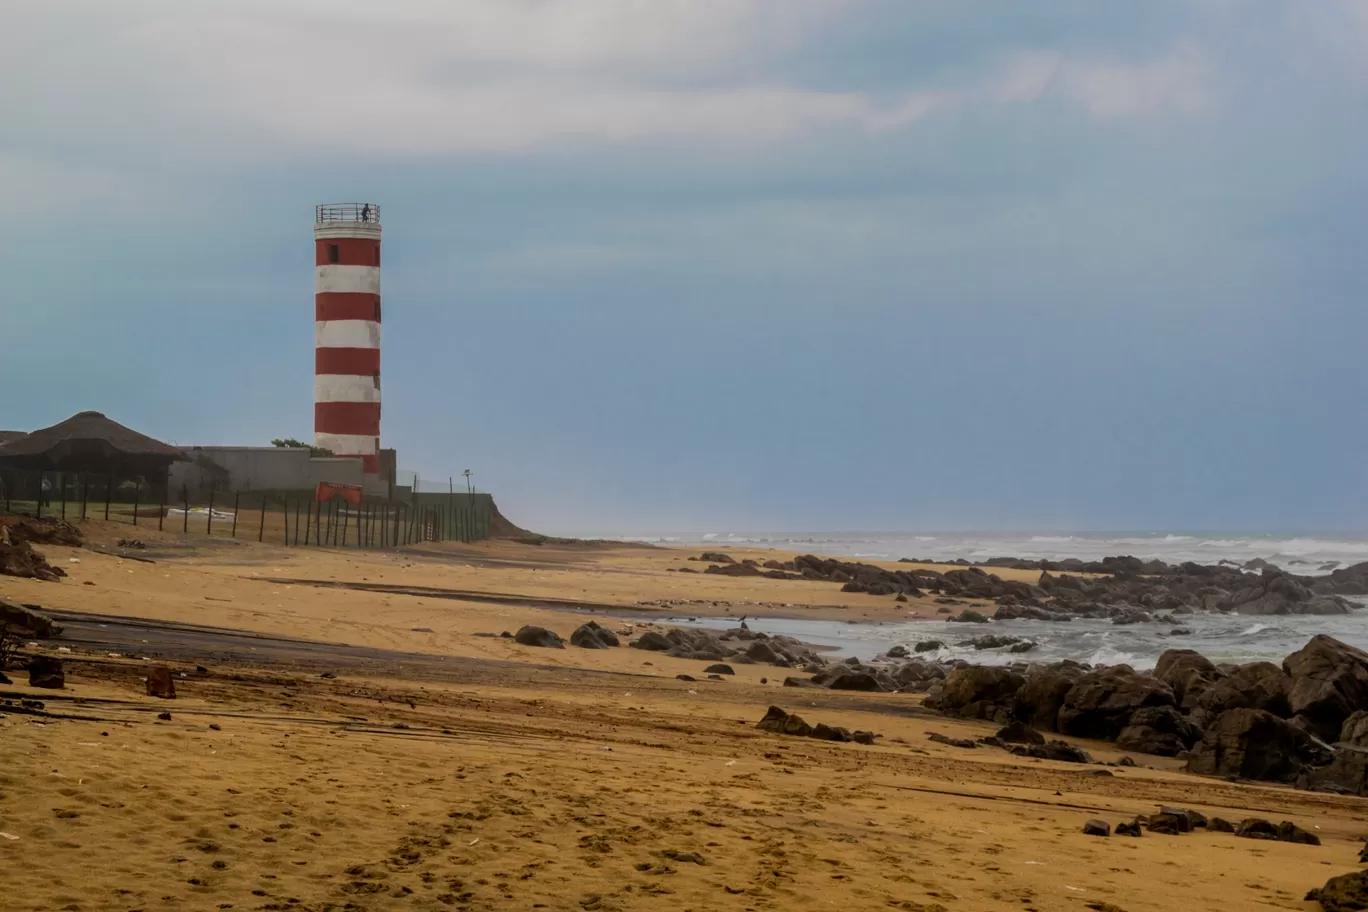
[(294, 518)]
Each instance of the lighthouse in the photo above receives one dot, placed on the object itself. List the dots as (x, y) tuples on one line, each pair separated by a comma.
[(347, 326)]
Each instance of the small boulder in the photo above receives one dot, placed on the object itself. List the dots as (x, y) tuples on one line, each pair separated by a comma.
[(45, 671), (1220, 825), (1020, 733), (719, 669), (1256, 828), (539, 637), (928, 646), (160, 683), (684, 677), (1129, 829), (1290, 832), (716, 557), (1061, 751), (863, 737), (651, 641), (1329, 681), (1345, 893), (1253, 744), (783, 723), (968, 616), (1169, 824), (592, 636), (1097, 828), (949, 741)]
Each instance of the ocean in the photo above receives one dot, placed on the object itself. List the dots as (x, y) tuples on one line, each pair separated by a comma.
[(1221, 638)]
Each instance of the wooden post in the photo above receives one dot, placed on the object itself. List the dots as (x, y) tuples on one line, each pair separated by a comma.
[(296, 538), (137, 490), (237, 502), (285, 518), (308, 520), (61, 479), (261, 529), (109, 492), (39, 511), (209, 521), (161, 507), (85, 495)]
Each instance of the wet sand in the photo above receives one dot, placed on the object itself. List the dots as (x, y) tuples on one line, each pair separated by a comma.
[(444, 770)]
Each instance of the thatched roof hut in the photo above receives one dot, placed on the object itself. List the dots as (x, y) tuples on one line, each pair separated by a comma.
[(90, 442)]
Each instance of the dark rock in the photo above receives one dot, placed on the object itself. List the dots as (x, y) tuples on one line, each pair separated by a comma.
[(1354, 731), (1277, 593), (1345, 893), (1039, 700), (719, 670), (928, 646), (1195, 819), (716, 557), (4, 679), (762, 651), (1329, 681), (651, 641), (1290, 832), (797, 682), (1257, 685), (783, 723), (1125, 761), (539, 637), (968, 616), (24, 621), (1187, 673), (854, 680), (1220, 825), (1054, 750), (898, 652), (1169, 824), (1256, 828), (45, 671), (739, 570), (1020, 733), (165, 717), (1347, 773), (949, 741), (823, 732), (990, 641), (863, 737), (1096, 828), (592, 636), (1158, 730), (1252, 744), (1101, 703), (160, 683), (684, 677), (979, 692), (1129, 829)]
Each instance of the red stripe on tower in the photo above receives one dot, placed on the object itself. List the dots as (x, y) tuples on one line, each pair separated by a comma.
[(347, 330)]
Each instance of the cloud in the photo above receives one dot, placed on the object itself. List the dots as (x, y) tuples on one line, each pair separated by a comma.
[(231, 83), (1180, 81)]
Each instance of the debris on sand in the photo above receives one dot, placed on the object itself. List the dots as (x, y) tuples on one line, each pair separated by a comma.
[(45, 671)]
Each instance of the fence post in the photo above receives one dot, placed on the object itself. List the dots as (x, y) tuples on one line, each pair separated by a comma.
[(346, 515), (85, 495), (109, 491), (237, 502), (285, 518), (61, 479), (261, 526), (161, 507), (137, 492), (209, 523), (39, 512), (185, 505), (296, 538), (308, 520)]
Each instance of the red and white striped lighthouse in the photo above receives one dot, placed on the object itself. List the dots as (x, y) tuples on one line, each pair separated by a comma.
[(347, 324)]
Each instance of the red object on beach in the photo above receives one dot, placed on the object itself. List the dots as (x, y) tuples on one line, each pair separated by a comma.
[(327, 490)]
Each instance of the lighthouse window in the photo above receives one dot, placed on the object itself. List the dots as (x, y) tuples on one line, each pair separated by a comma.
[(334, 254)]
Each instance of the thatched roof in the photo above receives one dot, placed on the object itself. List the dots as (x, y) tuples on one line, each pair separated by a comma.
[(86, 436)]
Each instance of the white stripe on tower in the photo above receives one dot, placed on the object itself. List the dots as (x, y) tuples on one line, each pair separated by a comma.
[(346, 388), (347, 334)]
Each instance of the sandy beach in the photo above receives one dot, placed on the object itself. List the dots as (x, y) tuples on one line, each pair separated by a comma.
[(376, 745)]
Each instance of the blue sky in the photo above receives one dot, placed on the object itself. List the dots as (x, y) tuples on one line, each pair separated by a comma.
[(680, 266)]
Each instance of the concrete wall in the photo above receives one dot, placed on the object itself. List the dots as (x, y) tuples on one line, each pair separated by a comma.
[(245, 469)]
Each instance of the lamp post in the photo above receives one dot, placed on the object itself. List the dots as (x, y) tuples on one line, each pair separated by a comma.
[(470, 488)]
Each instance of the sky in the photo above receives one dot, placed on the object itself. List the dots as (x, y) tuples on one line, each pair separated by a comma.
[(689, 266)]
